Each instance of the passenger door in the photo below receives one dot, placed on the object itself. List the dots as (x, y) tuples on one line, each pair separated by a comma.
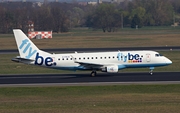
[(148, 57)]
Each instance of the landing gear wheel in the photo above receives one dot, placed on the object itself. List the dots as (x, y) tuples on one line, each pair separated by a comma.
[(93, 73), (151, 71)]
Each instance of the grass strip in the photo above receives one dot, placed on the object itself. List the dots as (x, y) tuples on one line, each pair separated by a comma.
[(87, 38), (96, 99)]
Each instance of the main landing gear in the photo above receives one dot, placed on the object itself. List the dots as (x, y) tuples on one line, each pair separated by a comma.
[(151, 70), (93, 73)]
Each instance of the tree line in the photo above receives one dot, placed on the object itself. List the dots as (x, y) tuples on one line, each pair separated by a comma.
[(61, 17)]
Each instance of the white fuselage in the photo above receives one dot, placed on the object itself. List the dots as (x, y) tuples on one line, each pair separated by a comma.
[(98, 60)]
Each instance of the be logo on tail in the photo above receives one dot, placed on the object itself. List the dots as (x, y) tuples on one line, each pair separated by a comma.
[(40, 60)]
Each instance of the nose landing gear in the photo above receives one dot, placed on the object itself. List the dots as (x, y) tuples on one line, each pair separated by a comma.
[(151, 70)]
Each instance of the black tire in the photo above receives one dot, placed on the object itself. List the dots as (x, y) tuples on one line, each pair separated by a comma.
[(93, 73)]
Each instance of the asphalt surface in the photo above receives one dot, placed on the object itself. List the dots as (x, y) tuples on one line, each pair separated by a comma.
[(101, 78)]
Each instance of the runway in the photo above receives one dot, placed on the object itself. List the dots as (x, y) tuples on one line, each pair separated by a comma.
[(85, 79)]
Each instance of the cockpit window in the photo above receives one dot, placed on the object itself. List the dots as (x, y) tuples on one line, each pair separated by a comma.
[(158, 55)]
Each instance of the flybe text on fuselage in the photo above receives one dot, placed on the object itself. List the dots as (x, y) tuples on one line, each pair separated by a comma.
[(131, 58)]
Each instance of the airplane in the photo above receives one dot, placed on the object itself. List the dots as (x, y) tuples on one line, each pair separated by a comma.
[(110, 62)]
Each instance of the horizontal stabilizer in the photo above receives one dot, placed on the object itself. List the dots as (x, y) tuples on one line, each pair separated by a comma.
[(19, 59)]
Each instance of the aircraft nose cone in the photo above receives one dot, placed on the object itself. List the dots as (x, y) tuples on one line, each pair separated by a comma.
[(168, 61)]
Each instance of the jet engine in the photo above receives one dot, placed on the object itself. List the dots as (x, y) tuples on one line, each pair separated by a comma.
[(110, 69)]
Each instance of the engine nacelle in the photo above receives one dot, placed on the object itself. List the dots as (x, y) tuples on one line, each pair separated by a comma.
[(110, 69)]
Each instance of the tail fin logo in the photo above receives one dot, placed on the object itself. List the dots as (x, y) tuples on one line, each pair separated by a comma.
[(26, 47)]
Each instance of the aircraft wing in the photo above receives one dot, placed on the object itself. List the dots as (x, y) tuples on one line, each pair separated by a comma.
[(87, 64), (93, 65)]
